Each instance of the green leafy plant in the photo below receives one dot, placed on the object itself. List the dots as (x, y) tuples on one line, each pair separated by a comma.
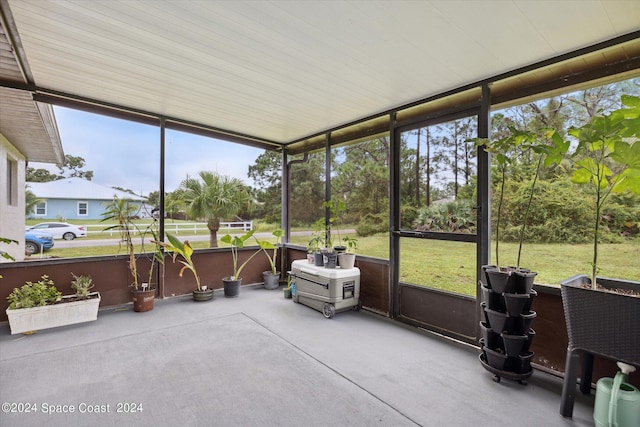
[(122, 212), (34, 294), (82, 285), (548, 151), (607, 159), (237, 242), (267, 246), (4, 254), (351, 243), (183, 249)]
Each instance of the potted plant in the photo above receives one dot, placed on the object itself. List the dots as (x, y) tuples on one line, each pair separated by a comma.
[(232, 283), (507, 290), (348, 259), (40, 305), (288, 290), (601, 313), (315, 245), (271, 277), (184, 250), (122, 213)]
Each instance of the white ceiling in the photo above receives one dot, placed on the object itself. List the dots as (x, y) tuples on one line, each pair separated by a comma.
[(283, 70)]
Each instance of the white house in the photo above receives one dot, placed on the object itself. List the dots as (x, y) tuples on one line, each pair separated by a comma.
[(28, 132), (76, 198)]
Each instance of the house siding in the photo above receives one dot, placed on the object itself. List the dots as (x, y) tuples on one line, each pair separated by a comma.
[(67, 209), (12, 214)]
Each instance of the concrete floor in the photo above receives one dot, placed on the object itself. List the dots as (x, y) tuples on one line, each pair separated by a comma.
[(260, 360)]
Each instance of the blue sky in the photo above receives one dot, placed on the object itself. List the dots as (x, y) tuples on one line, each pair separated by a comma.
[(126, 154)]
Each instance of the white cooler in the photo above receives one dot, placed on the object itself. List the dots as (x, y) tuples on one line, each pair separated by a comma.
[(328, 290)]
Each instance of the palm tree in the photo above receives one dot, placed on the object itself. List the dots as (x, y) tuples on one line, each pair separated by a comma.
[(214, 197)]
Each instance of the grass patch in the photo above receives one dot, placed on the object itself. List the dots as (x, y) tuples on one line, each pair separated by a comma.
[(451, 266)]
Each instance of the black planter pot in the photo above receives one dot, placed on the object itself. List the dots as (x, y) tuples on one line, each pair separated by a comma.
[(204, 295), (490, 338), (527, 345), (513, 344), (483, 305), (319, 259), (497, 320), (499, 278), (496, 360), (330, 260), (485, 277), (510, 279), (529, 303), (287, 293), (493, 299), (231, 287), (522, 323), (515, 303), (271, 281), (522, 363), (521, 282)]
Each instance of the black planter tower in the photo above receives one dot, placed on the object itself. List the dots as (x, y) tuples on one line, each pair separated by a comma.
[(506, 328)]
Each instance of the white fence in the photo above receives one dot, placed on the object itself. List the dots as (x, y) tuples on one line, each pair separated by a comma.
[(176, 228)]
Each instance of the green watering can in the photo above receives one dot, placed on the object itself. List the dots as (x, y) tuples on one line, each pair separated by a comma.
[(617, 402)]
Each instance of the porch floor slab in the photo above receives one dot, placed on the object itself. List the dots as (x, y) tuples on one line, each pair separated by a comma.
[(260, 360)]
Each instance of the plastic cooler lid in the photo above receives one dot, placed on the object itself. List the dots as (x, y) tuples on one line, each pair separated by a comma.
[(302, 265)]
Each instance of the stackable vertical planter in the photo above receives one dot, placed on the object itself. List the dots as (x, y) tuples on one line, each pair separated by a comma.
[(506, 330)]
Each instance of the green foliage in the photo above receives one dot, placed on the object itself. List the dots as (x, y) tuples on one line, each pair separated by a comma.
[(351, 243), (183, 249), (372, 224), (122, 212), (458, 216), (237, 242), (4, 254), (34, 294), (266, 246), (408, 217), (82, 285), (213, 197), (607, 159)]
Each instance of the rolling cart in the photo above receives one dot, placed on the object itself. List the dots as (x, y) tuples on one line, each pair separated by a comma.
[(328, 290)]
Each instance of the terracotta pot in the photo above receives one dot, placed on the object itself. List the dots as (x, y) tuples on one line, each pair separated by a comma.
[(143, 300)]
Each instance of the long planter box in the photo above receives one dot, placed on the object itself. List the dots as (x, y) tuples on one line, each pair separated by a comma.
[(51, 316), (600, 322)]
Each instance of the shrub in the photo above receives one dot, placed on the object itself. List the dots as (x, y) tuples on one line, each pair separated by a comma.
[(458, 216), (34, 294), (372, 224)]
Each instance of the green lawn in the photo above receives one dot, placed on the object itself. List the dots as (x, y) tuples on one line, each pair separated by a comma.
[(451, 265)]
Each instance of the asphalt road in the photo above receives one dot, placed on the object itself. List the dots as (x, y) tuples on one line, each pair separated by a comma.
[(85, 241)]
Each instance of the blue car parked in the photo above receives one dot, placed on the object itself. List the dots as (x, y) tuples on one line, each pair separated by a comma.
[(34, 241)]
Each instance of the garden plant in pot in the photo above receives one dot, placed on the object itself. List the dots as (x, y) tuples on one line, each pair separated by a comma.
[(347, 259), (315, 245), (40, 305), (603, 314), (122, 213), (232, 283), (184, 250), (271, 277), (507, 291)]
